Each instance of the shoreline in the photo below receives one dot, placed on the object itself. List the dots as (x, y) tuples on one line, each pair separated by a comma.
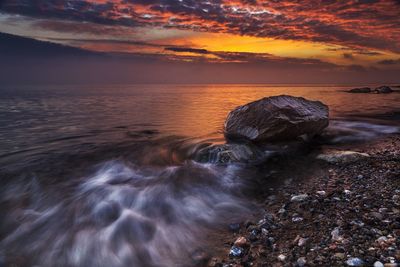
[(346, 214)]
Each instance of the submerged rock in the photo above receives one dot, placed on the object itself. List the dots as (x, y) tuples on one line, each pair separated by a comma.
[(383, 90), (277, 118), (360, 90), (299, 198), (229, 153), (342, 156)]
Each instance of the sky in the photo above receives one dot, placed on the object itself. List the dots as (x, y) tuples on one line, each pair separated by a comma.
[(277, 41)]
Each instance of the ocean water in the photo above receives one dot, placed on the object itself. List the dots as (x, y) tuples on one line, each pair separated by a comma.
[(106, 176)]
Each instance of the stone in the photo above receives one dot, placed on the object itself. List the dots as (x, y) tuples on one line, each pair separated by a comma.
[(302, 242), (321, 193), (299, 198), (282, 257), (336, 234), (229, 153), (355, 262), (301, 261), (383, 90), (360, 90), (236, 252), (378, 264), (297, 219), (277, 118), (241, 242), (376, 215), (234, 227), (342, 156), (339, 256)]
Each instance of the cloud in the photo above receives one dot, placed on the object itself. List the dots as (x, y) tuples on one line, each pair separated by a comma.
[(360, 24), (390, 62)]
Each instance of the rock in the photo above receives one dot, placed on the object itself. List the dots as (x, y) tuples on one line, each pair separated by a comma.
[(241, 242), (378, 264), (297, 219), (234, 227), (342, 156), (299, 198), (335, 234), (376, 215), (282, 257), (277, 118), (321, 193), (302, 242), (339, 256), (236, 252), (383, 90), (301, 261), (355, 262), (229, 153), (360, 90)]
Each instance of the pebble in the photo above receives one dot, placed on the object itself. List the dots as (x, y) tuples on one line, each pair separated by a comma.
[(282, 257), (299, 198), (302, 242), (241, 242), (378, 264), (376, 215), (297, 219), (335, 234), (321, 193), (355, 262), (339, 256), (236, 252), (301, 261)]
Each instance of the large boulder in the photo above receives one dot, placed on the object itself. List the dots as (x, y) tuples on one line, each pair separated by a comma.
[(277, 118), (383, 90), (360, 90)]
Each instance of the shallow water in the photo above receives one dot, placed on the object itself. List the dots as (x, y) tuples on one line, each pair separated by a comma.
[(106, 176)]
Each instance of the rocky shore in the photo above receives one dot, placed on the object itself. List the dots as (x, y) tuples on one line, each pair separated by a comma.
[(324, 213)]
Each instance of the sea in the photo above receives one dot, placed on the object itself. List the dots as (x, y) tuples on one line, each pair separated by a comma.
[(108, 175)]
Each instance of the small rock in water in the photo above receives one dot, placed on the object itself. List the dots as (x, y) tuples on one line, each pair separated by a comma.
[(282, 257), (299, 198), (301, 261), (378, 264), (241, 242), (321, 193), (234, 227), (355, 262), (339, 256), (236, 252)]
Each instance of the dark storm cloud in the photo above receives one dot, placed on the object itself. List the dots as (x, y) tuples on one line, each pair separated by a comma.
[(372, 24)]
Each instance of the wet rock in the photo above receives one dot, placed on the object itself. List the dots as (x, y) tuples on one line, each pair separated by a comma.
[(342, 156), (339, 256), (229, 153), (321, 193), (302, 242), (236, 252), (355, 262), (378, 264), (277, 118), (376, 215), (281, 257), (297, 219), (360, 90), (241, 242), (234, 227), (383, 90), (335, 235), (301, 261), (299, 198)]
